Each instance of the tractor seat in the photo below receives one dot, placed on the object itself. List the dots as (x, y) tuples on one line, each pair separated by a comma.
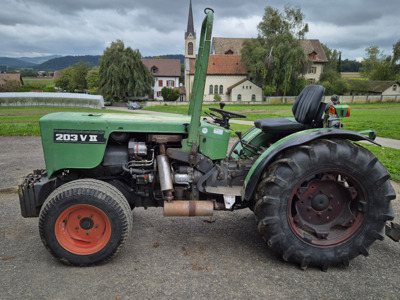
[(307, 110)]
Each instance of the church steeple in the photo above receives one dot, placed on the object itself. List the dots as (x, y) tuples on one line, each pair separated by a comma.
[(190, 36), (190, 26)]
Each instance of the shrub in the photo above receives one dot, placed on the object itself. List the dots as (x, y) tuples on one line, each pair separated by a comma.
[(170, 94)]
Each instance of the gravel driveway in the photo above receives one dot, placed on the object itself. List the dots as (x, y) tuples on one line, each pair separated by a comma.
[(219, 257)]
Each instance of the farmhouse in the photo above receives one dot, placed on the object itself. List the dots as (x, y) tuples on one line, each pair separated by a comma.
[(166, 73)]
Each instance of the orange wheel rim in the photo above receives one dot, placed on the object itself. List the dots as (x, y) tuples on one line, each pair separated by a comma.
[(83, 229)]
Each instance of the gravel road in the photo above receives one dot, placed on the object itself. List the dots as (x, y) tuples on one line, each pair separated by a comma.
[(174, 258)]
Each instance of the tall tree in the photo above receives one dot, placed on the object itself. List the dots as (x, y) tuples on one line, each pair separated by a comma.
[(92, 79), (73, 78), (377, 66), (275, 58), (123, 74)]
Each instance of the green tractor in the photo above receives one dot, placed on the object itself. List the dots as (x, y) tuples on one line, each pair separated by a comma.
[(319, 199)]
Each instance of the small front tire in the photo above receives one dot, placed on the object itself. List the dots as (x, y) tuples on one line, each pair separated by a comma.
[(85, 222)]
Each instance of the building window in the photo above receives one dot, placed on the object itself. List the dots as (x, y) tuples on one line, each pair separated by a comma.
[(313, 70), (154, 70), (216, 89), (170, 83), (311, 80), (221, 89), (211, 89), (160, 83), (190, 48), (394, 88), (239, 97), (158, 94), (253, 97)]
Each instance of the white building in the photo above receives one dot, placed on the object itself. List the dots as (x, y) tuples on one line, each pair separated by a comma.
[(227, 77), (166, 73)]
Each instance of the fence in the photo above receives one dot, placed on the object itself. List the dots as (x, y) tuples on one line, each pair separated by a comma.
[(291, 99), (51, 99)]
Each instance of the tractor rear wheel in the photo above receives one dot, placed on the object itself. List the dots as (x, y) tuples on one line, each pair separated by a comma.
[(324, 203), (85, 222)]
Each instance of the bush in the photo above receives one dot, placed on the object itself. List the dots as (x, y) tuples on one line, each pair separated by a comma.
[(170, 94), (217, 98)]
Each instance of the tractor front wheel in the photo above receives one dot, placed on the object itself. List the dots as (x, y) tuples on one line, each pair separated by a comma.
[(324, 203), (85, 222)]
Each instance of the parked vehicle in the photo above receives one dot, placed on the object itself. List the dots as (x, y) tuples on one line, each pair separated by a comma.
[(319, 198), (133, 105)]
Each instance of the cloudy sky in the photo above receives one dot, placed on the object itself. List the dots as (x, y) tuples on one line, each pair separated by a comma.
[(80, 27)]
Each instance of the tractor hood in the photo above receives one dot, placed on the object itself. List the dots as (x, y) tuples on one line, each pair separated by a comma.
[(109, 122), (79, 140)]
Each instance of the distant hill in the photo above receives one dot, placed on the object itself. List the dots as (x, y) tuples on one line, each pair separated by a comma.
[(67, 61), (15, 63), (181, 57), (57, 62), (38, 59)]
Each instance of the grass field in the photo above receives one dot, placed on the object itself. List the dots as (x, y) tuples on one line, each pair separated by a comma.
[(38, 81), (383, 117)]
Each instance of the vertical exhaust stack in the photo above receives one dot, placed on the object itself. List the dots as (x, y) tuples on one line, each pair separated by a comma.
[(164, 172)]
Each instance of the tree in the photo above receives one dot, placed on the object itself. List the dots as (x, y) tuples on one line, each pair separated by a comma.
[(276, 58), (377, 66), (332, 56), (73, 78), (169, 94), (92, 79), (123, 74), (63, 80)]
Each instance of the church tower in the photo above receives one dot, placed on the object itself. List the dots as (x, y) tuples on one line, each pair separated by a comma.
[(190, 51), (190, 36)]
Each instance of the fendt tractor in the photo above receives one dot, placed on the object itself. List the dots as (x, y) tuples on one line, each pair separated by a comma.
[(319, 198)]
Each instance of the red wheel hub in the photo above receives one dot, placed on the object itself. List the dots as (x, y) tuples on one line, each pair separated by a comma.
[(83, 229), (326, 209)]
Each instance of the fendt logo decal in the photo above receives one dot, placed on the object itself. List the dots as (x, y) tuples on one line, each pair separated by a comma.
[(79, 136)]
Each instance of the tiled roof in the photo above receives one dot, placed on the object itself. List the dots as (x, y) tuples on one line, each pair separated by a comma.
[(223, 65), (223, 46), (311, 46), (374, 86), (166, 67), (6, 77), (227, 45)]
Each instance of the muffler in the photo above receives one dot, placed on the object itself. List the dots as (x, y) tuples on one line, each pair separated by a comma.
[(191, 208)]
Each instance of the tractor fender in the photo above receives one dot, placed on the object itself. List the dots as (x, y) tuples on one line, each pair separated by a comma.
[(296, 139)]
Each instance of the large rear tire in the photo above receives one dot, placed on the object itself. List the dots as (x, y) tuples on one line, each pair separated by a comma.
[(324, 203), (85, 222)]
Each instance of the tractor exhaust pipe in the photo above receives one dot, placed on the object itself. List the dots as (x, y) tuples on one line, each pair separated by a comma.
[(164, 171), (189, 208)]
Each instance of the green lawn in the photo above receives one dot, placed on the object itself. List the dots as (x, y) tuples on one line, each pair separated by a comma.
[(38, 81)]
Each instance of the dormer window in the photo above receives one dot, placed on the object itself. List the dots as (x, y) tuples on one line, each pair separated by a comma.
[(154, 70)]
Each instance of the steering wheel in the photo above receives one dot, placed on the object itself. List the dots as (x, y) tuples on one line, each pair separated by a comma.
[(226, 113)]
